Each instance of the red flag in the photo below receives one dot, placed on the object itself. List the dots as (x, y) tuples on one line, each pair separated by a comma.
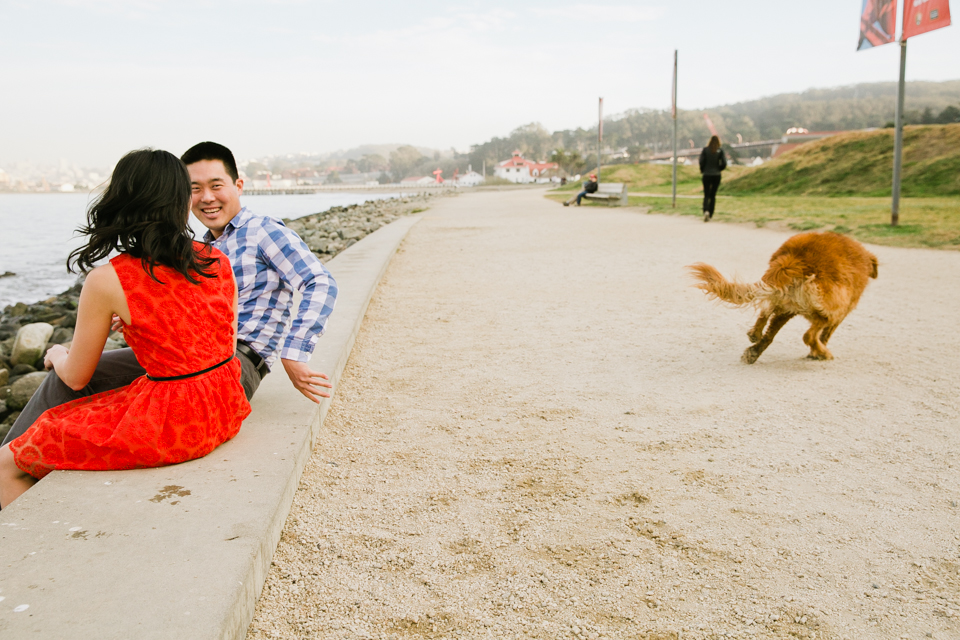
[(878, 22), (920, 16)]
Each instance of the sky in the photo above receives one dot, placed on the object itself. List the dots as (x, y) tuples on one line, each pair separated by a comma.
[(88, 80)]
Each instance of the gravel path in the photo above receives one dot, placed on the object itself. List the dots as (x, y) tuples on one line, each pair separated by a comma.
[(545, 432)]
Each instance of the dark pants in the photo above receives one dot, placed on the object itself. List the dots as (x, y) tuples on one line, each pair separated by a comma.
[(580, 196), (710, 186), (116, 369)]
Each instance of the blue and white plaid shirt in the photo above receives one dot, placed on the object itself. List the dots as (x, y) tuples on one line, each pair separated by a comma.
[(269, 261)]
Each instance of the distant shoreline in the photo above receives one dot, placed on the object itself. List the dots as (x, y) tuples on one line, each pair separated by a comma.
[(356, 217)]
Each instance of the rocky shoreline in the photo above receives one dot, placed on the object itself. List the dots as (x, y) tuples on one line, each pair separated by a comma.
[(28, 330)]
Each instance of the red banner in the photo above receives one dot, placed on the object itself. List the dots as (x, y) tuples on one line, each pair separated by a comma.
[(878, 22), (920, 16)]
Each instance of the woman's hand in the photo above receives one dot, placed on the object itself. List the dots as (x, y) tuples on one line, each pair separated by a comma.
[(116, 324), (54, 355)]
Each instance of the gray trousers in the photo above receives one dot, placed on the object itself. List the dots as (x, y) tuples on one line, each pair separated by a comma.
[(116, 369)]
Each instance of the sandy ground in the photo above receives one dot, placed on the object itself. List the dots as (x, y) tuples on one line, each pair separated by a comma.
[(545, 432)]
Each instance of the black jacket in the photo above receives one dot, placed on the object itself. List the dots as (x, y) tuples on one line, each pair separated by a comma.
[(590, 186), (711, 164)]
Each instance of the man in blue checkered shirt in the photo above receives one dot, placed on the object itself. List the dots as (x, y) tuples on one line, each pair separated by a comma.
[(269, 261)]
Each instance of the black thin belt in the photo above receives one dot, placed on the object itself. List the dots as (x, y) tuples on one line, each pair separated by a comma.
[(255, 358), (190, 375)]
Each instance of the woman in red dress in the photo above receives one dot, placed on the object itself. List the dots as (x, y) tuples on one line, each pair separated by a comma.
[(177, 301)]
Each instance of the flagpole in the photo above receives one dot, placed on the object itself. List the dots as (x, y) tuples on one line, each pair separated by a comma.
[(599, 141), (898, 137), (674, 128)]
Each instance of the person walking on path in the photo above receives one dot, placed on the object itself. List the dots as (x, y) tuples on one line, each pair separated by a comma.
[(177, 301), (712, 164), (269, 261), (590, 186)]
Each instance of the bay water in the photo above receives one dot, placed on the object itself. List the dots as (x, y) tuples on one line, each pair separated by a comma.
[(37, 234)]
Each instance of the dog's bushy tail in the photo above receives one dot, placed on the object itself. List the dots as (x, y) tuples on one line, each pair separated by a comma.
[(712, 282)]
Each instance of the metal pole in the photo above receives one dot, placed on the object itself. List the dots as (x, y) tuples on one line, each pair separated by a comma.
[(674, 128), (898, 138), (599, 142)]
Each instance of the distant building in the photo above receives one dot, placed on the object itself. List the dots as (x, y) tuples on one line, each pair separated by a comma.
[(415, 180), (796, 136), (469, 179), (359, 177), (520, 170)]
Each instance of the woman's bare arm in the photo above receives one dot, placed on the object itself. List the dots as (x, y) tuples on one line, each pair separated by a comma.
[(101, 298)]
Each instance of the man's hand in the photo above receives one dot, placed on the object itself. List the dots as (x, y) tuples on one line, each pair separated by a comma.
[(116, 324), (310, 383)]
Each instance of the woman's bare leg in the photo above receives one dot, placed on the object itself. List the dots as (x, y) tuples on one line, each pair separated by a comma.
[(13, 481)]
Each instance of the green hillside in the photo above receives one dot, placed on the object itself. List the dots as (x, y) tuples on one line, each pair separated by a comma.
[(861, 163)]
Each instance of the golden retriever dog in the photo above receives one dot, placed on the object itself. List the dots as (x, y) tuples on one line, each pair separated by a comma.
[(819, 276)]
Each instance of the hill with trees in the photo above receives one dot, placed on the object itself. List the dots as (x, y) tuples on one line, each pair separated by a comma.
[(643, 132), (639, 133)]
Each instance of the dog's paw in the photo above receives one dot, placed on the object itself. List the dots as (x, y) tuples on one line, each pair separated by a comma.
[(749, 356)]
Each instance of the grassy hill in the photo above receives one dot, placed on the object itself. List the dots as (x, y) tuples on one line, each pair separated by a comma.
[(840, 184), (860, 163)]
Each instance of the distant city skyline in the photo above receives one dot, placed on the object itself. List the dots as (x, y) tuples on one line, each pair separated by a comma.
[(87, 81)]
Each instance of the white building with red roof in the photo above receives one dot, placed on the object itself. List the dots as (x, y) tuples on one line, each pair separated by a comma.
[(519, 169)]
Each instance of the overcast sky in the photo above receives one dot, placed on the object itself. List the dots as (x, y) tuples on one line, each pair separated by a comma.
[(88, 80)]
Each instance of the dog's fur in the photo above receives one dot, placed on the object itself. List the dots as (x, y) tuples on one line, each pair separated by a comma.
[(819, 276)]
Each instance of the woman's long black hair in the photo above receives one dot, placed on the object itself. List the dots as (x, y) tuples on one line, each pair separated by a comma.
[(144, 212)]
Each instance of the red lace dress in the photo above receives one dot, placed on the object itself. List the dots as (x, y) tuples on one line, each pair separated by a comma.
[(176, 328)]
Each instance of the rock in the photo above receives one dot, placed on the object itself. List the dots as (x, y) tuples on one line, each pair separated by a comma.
[(7, 274), (22, 370), (7, 423), (316, 243), (18, 309), (4, 377), (29, 343), (50, 317), (23, 389), (61, 334)]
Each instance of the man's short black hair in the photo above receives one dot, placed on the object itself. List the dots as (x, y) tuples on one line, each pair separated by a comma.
[(211, 151)]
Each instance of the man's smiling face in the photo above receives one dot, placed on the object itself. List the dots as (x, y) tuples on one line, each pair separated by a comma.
[(216, 196)]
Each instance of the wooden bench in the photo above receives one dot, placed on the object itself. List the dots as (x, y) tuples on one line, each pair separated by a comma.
[(613, 193)]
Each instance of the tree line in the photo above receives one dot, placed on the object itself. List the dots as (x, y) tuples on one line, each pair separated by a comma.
[(640, 133), (644, 132)]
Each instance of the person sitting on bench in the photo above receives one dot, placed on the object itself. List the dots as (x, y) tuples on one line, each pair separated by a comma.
[(588, 187)]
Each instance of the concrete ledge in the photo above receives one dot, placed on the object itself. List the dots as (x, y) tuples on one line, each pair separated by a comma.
[(181, 551)]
